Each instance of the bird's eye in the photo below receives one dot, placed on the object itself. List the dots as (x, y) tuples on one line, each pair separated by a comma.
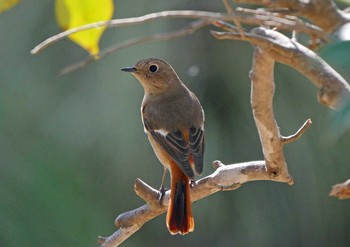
[(153, 68)]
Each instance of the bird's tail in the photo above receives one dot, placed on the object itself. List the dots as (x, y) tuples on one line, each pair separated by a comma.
[(179, 217)]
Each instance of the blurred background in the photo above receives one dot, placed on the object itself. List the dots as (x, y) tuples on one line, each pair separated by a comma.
[(71, 146)]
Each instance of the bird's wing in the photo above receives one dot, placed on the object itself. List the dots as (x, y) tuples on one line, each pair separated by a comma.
[(196, 146), (174, 144)]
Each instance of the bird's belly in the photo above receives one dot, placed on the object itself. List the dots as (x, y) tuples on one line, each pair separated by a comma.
[(163, 157)]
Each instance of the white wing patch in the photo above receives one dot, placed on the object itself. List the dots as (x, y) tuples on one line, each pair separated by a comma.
[(163, 132)]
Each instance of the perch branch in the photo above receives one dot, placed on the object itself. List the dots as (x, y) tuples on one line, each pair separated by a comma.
[(333, 87), (225, 177)]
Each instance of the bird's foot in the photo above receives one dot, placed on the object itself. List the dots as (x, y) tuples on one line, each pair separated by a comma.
[(192, 183), (162, 191)]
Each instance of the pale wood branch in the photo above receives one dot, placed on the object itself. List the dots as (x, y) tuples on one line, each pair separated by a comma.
[(187, 30), (323, 13), (298, 134), (225, 177), (262, 92), (250, 17), (333, 87), (261, 18)]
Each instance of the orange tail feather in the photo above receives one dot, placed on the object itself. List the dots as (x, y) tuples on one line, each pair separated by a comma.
[(179, 216)]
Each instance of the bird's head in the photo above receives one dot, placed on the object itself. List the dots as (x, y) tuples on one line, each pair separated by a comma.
[(155, 75)]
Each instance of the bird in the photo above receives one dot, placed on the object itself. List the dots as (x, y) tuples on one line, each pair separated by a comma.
[(173, 120)]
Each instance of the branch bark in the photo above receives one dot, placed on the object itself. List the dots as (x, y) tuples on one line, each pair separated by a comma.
[(333, 87), (262, 91), (187, 30), (250, 18), (314, 10), (225, 177)]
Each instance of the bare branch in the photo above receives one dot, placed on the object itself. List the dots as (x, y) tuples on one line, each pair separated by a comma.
[(333, 87), (230, 11), (263, 18), (314, 10), (188, 14), (298, 134), (262, 91), (226, 177), (187, 30), (285, 22), (228, 7)]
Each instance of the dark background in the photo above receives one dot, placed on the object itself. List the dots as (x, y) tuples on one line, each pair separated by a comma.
[(71, 146)]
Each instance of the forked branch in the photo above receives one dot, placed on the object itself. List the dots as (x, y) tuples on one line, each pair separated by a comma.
[(225, 177), (315, 11), (263, 18), (333, 87)]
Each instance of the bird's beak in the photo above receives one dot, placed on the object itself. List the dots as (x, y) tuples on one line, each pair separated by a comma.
[(129, 69)]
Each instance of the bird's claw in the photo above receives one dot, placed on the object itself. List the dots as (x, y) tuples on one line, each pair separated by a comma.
[(192, 183), (162, 191)]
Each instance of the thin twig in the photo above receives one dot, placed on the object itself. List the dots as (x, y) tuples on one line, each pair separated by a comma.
[(298, 134), (226, 26), (230, 11), (187, 30), (228, 7), (188, 14), (263, 18), (324, 13)]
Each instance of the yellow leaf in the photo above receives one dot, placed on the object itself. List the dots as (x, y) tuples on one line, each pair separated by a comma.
[(75, 13), (6, 4)]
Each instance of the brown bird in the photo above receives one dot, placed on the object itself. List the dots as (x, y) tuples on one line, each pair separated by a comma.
[(174, 122)]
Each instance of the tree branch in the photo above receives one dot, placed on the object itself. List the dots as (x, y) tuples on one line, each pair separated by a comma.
[(314, 10), (333, 87), (225, 177), (298, 134), (262, 91), (263, 18), (187, 30)]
